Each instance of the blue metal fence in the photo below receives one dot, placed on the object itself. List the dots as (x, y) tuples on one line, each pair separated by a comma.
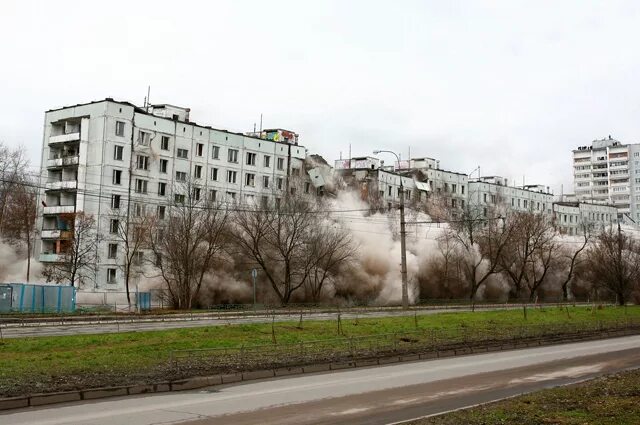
[(30, 298)]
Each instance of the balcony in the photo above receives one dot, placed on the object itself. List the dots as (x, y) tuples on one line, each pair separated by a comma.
[(50, 258), (64, 138), (62, 162), (62, 185), (59, 209)]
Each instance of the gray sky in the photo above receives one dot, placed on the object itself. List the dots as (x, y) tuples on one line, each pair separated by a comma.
[(510, 86)]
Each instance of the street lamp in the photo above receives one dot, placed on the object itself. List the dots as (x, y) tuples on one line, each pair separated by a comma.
[(403, 236)]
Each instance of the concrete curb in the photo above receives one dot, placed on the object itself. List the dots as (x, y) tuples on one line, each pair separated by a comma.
[(209, 381)]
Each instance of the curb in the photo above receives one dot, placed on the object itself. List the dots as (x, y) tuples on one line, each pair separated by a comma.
[(209, 381)]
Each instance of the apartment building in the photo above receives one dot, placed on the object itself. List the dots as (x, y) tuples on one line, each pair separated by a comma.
[(569, 217), (608, 172), (108, 158), (493, 193)]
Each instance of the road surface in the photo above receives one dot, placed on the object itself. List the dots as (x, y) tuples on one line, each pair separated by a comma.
[(379, 395), (141, 324)]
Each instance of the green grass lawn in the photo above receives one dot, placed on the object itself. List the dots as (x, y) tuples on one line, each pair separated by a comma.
[(65, 358), (611, 400)]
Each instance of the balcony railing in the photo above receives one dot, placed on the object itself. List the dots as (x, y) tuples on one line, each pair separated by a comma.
[(64, 184), (62, 162), (64, 138), (50, 258), (59, 209), (56, 234)]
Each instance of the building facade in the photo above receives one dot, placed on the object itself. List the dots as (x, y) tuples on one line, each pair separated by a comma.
[(608, 172), (570, 217), (492, 193), (108, 158)]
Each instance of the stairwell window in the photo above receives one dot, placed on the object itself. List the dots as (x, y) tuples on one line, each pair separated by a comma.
[(144, 138), (164, 163), (117, 152), (199, 149), (162, 189), (280, 164), (111, 276), (214, 174), (164, 143), (117, 177), (250, 179), (120, 128), (115, 202), (113, 251), (197, 171)]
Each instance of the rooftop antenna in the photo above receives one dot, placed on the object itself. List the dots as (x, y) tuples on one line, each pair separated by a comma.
[(260, 123), (148, 99)]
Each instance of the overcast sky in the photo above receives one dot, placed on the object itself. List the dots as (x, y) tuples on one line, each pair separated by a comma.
[(510, 86)]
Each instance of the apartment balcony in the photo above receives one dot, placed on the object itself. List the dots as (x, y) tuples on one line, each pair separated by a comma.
[(67, 161), (50, 258), (64, 138), (62, 185), (59, 209)]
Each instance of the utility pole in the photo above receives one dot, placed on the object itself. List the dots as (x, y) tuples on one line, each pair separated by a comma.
[(403, 237)]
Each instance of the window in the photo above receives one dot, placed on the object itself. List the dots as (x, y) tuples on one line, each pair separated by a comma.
[(462, 189), (462, 202), (251, 158), (113, 225), (164, 143), (279, 183), (493, 199), (113, 251), (142, 162), (215, 152), (196, 193), (183, 153), (141, 186), (307, 187), (232, 155), (117, 176), (250, 179), (162, 189), (295, 171), (197, 171), (164, 163), (199, 149), (138, 256), (231, 176), (179, 198), (525, 203), (212, 195), (265, 182), (111, 276), (115, 201), (280, 164), (144, 138), (120, 128), (267, 161), (117, 152), (214, 174), (181, 176), (231, 196), (139, 209), (518, 203), (389, 190), (454, 188), (484, 197)]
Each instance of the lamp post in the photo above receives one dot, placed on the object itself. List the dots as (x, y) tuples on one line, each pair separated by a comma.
[(403, 236)]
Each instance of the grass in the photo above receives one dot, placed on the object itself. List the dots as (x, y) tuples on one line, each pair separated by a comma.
[(33, 364), (610, 400)]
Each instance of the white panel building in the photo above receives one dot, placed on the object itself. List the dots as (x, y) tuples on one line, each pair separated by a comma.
[(569, 217), (106, 156), (493, 192)]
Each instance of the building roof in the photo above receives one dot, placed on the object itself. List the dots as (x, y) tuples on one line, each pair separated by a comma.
[(140, 110)]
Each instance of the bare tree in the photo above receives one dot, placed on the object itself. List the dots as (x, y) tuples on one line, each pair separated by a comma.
[(482, 241), (531, 234), (78, 251), (20, 218), (572, 257), (330, 249), (187, 243), (13, 166), (134, 233), (542, 262), (614, 263), (279, 237)]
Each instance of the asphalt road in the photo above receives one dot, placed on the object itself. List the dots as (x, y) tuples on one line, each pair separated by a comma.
[(379, 395), (134, 324)]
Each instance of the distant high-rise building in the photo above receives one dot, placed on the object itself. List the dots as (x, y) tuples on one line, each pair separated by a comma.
[(608, 172)]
